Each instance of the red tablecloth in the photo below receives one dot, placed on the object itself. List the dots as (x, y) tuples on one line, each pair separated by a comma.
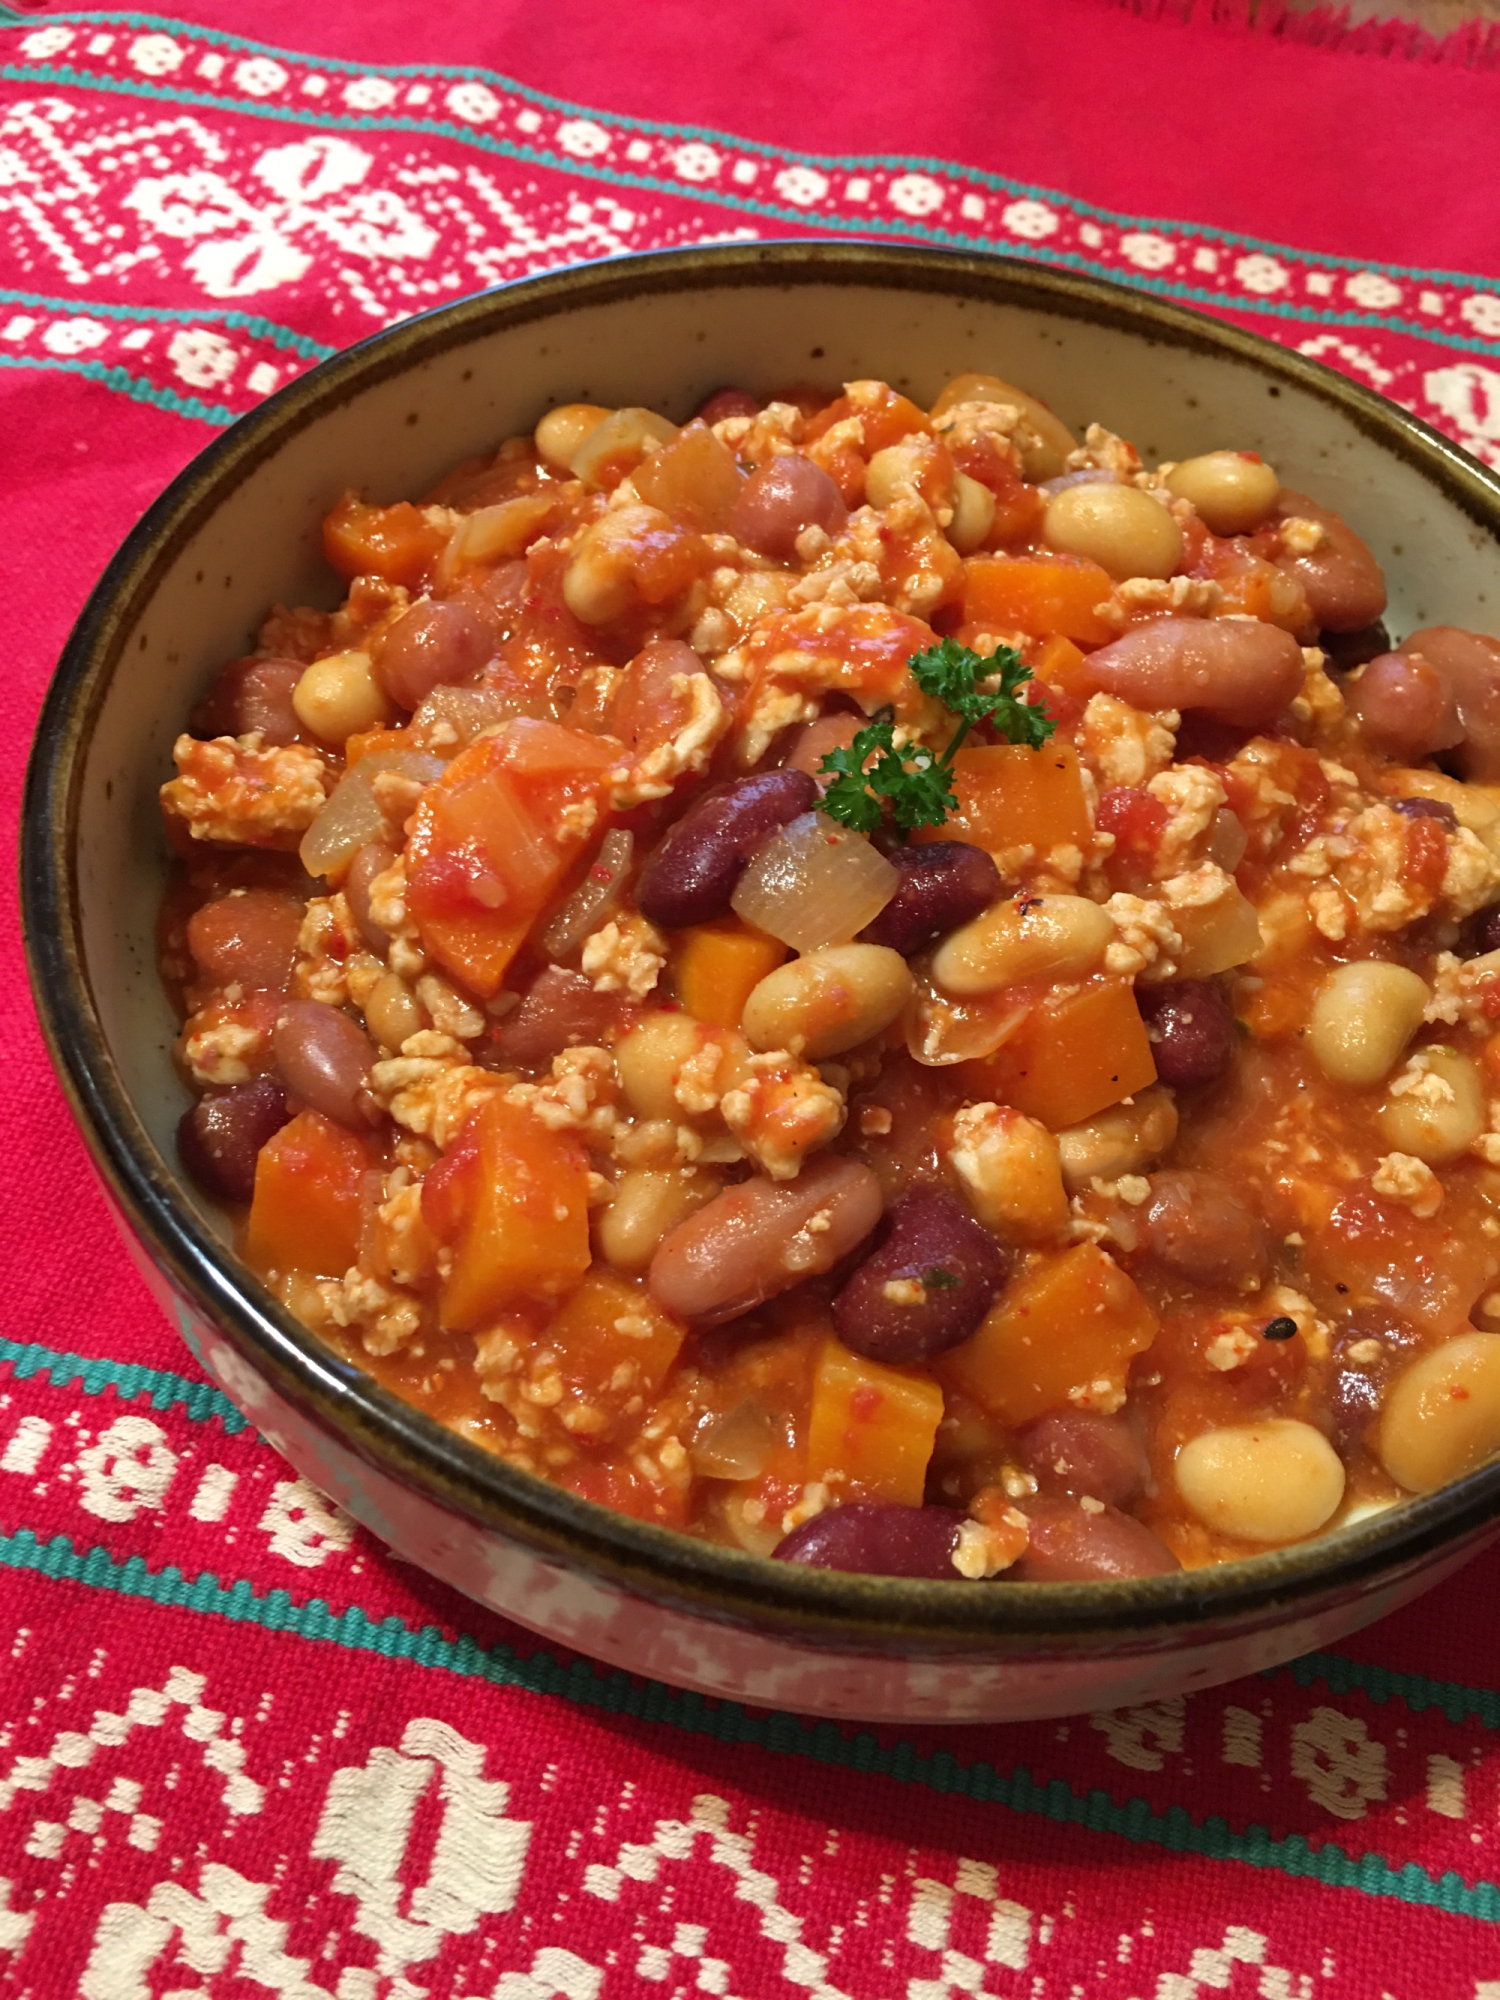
[(243, 1751)]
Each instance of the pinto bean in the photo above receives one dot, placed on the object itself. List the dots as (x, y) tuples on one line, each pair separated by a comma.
[(1344, 651), (817, 740), (324, 1058), (1200, 1226), (785, 496), (1072, 1544), (928, 1285), (560, 1011), (1344, 584), (221, 1137), (1470, 665), (728, 403), (251, 696), (372, 859), (756, 1239), (944, 883), (1192, 1030), (1233, 669), (691, 876), (437, 643), (877, 1540), (1083, 1451), (246, 939), (1404, 706)]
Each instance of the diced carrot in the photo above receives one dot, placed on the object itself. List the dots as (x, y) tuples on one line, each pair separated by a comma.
[(1076, 1054), (614, 1346), (526, 1232), (305, 1213), (1277, 1008), (717, 966), (1489, 1057), (1039, 595), (1064, 1331), (886, 420), (398, 543), (1061, 665), (1010, 795), (873, 1425), (374, 742)]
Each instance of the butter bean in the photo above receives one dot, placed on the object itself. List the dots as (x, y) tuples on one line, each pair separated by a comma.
[(1270, 1482), (1232, 490), (1438, 1115), (828, 1001), (339, 696), (1121, 528), (1442, 1415), (1044, 937), (648, 1202), (1363, 1016)]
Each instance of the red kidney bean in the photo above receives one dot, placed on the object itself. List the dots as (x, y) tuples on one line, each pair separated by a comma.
[(1346, 650), (728, 403), (248, 939), (943, 884), (754, 1240), (1070, 1544), (691, 876), (1083, 1451), (437, 643), (1200, 1226), (951, 1264), (252, 696), (1483, 934), (372, 859), (1358, 1383), (324, 1058), (878, 1540), (560, 1011), (1345, 585), (1470, 664), (1438, 809), (1404, 707), (785, 496), (220, 1138), (1235, 670), (1192, 1030)]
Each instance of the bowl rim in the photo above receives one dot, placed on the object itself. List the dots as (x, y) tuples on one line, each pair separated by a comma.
[(823, 1607)]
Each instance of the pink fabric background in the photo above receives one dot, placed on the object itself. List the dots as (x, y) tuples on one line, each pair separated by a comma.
[(240, 1746)]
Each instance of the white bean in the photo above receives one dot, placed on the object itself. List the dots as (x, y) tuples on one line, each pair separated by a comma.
[(1121, 528), (563, 430), (339, 697), (1363, 1016), (1442, 1414), (648, 1202), (599, 583), (1435, 1108), (1044, 937), (649, 1061), (1271, 1482), (973, 514), (391, 1011), (616, 446), (1126, 1139), (1233, 491), (829, 1001)]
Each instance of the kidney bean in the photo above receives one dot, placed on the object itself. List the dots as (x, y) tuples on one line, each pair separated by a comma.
[(560, 1011), (437, 643), (1235, 670), (1070, 1544), (1346, 650), (1083, 1451), (1354, 1397), (691, 876), (220, 1138), (948, 1262), (1404, 707), (754, 1240), (1470, 665), (1192, 1030), (1200, 1226), (1483, 934), (1438, 809), (324, 1057), (728, 403), (785, 496), (372, 859), (877, 1540), (248, 939), (252, 696), (943, 884), (1344, 584)]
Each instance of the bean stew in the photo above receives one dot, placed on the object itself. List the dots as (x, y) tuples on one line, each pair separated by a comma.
[(882, 986)]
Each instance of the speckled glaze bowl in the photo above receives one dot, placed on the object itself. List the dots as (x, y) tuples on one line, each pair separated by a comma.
[(239, 529)]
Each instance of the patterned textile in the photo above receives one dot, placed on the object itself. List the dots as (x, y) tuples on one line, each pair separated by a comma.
[(243, 1751)]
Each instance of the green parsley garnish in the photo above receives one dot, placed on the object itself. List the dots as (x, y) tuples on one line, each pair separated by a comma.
[(939, 1280), (917, 783)]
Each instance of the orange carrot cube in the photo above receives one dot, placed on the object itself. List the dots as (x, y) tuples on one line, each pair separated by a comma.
[(305, 1212), (873, 1425), (1077, 1053), (525, 1232), (718, 966)]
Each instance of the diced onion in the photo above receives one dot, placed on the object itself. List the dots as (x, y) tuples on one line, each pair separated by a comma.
[(736, 1444), (469, 711), (940, 1029), (350, 817), (814, 883), (1217, 936), (594, 901)]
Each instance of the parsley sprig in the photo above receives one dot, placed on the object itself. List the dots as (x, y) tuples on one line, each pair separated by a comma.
[(917, 783)]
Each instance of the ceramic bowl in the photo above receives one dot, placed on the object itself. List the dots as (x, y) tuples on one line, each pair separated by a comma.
[(239, 529)]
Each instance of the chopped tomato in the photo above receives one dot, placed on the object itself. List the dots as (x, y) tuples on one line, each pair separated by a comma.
[(398, 543)]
